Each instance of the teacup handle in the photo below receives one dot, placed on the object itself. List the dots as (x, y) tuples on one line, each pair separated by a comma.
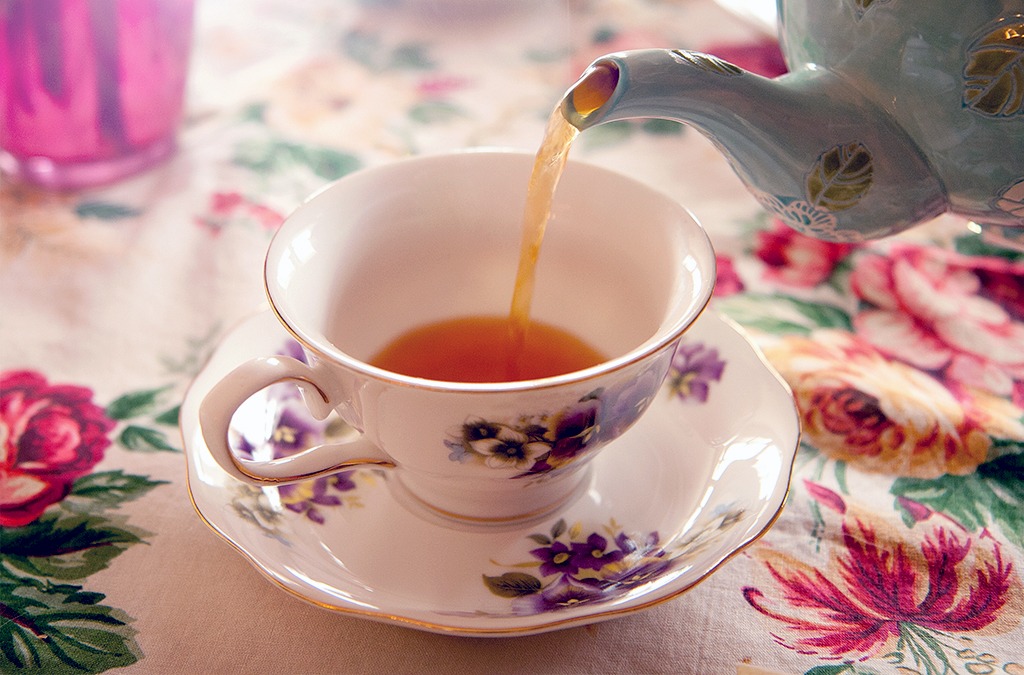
[(226, 396)]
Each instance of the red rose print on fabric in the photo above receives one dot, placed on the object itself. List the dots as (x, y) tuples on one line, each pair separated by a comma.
[(795, 259), (50, 435)]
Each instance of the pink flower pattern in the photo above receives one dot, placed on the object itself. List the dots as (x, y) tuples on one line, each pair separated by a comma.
[(795, 259), (945, 313), (879, 594)]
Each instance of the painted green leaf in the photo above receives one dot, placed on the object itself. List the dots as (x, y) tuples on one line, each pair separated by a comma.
[(60, 628), (134, 437), (134, 404), (1011, 200), (841, 177), (512, 584), (707, 62), (994, 74), (107, 489), (63, 546), (993, 494)]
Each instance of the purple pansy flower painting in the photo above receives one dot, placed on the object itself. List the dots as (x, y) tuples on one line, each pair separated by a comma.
[(694, 367), (538, 444), (577, 567), (543, 443), (293, 429)]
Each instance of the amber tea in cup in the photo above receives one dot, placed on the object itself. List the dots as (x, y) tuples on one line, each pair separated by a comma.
[(486, 349)]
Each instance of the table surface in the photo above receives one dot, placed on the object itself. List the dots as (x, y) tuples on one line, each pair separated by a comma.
[(901, 545)]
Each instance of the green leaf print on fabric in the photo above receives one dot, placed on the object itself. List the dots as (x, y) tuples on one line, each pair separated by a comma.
[(993, 495), (144, 403), (142, 438), (61, 546), (105, 210), (107, 490), (368, 50), (275, 156), (134, 404), (784, 314), (59, 628)]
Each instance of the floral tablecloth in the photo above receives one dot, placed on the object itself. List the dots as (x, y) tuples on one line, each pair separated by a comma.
[(900, 548)]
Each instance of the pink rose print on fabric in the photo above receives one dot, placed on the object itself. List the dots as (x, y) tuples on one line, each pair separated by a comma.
[(942, 312), (881, 415), (50, 435), (795, 259), (883, 592), (728, 281)]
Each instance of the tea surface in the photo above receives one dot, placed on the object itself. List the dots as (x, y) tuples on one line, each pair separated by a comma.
[(483, 349)]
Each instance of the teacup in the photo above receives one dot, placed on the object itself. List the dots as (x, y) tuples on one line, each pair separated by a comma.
[(393, 247)]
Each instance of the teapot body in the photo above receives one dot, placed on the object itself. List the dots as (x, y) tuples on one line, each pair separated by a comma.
[(949, 72), (892, 112)]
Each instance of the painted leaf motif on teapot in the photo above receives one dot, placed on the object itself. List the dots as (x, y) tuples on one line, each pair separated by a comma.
[(994, 71)]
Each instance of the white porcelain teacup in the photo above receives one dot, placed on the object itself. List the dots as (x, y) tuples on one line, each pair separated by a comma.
[(393, 247)]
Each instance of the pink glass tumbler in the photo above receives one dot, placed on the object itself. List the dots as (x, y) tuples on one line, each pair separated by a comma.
[(91, 91)]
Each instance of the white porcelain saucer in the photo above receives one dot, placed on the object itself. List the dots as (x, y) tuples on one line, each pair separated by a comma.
[(680, 493)]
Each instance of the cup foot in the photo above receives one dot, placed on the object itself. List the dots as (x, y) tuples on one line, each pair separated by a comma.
[(47, 173), (477, 523)]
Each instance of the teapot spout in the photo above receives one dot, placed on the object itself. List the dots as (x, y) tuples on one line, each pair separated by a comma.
[(810, 147)]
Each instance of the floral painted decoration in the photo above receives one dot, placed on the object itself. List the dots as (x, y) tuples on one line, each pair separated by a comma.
[(535, 445), (293, 430), (695, 366), (575, 566)]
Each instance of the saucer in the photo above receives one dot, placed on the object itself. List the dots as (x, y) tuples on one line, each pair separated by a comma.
[(703, 474)]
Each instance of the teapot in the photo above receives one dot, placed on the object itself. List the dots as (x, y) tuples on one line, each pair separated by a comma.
[(892, 113)]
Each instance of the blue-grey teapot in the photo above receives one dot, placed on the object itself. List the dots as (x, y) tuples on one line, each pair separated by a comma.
[(892, 112)]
